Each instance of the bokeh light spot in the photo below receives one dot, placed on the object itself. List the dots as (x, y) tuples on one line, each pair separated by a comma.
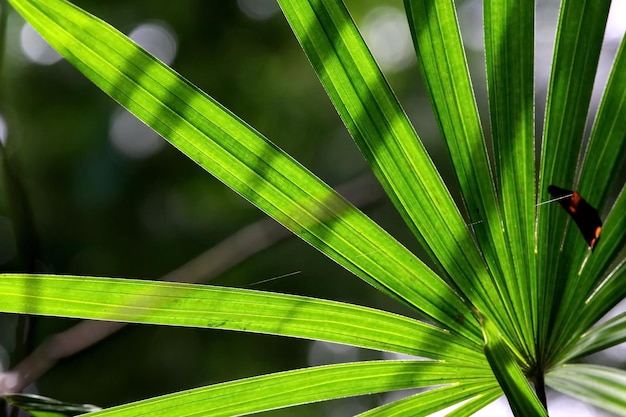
[(131, 137), (323, 353), (387, 34), (156, 38), (258, 9), (35, 48), (4, 131)]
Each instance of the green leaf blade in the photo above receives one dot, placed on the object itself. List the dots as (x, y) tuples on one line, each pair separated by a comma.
[(509, 48), (610, 292), (268, 392), (522, 398), (177, 304), (598, 385), (477, 403), (429, 402), (604, 336)]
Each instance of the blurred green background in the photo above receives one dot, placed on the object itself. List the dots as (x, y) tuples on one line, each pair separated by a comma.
[(109, 198)]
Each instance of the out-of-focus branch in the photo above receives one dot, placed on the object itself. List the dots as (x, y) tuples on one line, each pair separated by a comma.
[(223, 256)]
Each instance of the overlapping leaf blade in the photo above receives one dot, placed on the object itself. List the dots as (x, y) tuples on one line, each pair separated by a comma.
[(443, 65), (579, 40), (604, 154), (244, 160)]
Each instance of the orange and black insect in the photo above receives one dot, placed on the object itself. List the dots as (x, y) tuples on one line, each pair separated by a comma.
[(584, 214)]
